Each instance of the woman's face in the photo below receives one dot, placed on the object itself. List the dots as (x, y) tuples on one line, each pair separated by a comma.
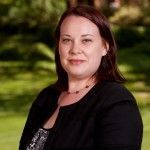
[(80, 47)]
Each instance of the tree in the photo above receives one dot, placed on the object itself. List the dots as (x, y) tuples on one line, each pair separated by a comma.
[(96, 3), (71, 3)]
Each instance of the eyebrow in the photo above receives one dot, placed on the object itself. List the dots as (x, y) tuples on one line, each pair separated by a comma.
[(65, 35), (84, 35)]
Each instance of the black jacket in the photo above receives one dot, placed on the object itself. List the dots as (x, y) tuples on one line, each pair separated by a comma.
[(106, 118)]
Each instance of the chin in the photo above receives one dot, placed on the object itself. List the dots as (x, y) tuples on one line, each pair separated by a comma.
[(76, 74)]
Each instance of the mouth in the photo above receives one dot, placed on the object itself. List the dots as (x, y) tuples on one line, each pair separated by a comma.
[(76, 61)]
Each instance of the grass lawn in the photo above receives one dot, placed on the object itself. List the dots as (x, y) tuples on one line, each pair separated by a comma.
[(21, 81), (20, 86), (146, 121), (10, 131)]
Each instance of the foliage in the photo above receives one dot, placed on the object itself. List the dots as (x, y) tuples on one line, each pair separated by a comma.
[(27, 27), (41, 49), (19, 39), (129, 15), (37, 17), (129, 36), (34, 13), (24, 47)]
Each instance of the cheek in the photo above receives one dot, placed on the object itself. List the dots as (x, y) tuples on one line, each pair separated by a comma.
[(96, 52), (61, 49), (94, 63), (96, 60), (63, 57), (95, 57), (62, 52)]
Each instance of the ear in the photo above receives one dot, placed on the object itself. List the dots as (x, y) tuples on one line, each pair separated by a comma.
[(105, 48)]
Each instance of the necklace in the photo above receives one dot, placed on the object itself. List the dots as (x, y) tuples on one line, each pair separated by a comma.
[(78, 91)]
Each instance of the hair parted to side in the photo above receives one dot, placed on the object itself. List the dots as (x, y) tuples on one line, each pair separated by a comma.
[(108, 70)]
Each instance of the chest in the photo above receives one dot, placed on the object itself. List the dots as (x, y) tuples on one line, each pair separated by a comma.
[(72, 128)]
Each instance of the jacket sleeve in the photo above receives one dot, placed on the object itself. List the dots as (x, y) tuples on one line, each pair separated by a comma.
[(40, 109), (120, 127), (32, 120), (28, 127)]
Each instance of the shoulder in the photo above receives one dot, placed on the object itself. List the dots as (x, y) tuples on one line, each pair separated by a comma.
[(116, 90), (47, 94), (114, 86), (112, 93), (118, 116), (118, 104)]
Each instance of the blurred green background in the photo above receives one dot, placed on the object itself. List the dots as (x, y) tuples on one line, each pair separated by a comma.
[(27, 55)]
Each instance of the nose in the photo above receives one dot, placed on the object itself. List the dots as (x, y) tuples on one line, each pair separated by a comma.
[(75, 48)]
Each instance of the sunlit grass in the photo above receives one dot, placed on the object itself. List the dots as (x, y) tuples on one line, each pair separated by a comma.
[(134, 63), (136, 84), (10, 131), (21, 84), (146, 121)]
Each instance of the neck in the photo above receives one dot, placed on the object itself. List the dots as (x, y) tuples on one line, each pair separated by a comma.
[(75, 86)]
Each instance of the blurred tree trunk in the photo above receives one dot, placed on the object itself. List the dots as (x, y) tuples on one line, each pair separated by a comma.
[(71, 3), (95, 3), (134, 2)]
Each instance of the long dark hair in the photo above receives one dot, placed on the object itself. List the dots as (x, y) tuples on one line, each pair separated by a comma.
[(108, 69)]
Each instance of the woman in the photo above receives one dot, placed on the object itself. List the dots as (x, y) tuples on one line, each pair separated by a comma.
[(87, 108)]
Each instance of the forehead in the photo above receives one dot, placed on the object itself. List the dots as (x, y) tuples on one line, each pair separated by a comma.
[(78, 24)]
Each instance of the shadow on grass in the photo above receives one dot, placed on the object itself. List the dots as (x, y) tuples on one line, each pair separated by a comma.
[(11, 68), (21, 85), (19, 104), (137, 59)]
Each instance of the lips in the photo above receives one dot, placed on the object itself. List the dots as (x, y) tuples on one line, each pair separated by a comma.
[(76, 61)]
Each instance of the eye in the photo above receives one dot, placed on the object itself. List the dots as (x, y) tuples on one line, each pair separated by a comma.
[(86, 40), (66, 40)]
